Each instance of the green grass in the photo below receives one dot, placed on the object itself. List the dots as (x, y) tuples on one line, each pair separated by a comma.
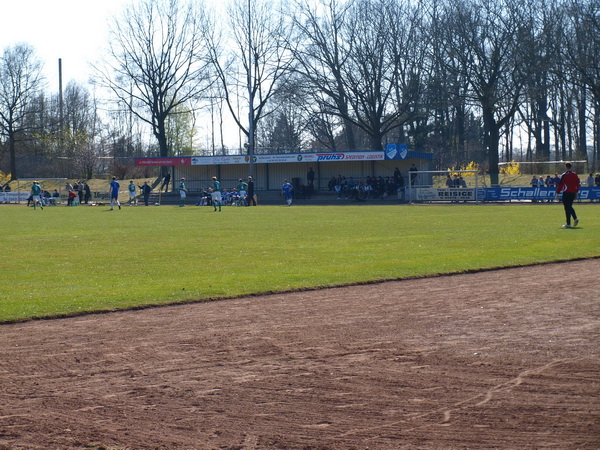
[(62, 261)]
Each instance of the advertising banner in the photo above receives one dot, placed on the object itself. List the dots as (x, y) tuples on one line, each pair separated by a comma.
[(184, 161), (14, 197), (536, 193), (219, 160), (350, 156), (445, 194)]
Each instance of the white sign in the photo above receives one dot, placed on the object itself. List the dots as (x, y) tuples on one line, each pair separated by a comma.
[(216, 160), (13, 197), (441, 194)]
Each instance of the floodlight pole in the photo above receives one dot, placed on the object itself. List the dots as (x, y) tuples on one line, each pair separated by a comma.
[(250, 98)]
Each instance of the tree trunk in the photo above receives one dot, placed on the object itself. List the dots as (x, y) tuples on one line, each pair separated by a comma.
[(492, 137), (13, 155)]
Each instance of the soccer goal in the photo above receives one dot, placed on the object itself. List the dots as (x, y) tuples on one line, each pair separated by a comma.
[(444, 186), (24, 186)]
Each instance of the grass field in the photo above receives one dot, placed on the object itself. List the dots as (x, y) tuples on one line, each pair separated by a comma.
[(62, 261)]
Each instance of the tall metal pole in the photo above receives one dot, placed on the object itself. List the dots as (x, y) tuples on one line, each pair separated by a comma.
[(250, 98), (60, 107)]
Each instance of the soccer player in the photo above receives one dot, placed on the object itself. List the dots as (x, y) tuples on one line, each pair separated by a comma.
[(569, 186), (114, 193), (182, 192), (287, 189), (241, 187), (216, 193), (132, 196), (36, 191)]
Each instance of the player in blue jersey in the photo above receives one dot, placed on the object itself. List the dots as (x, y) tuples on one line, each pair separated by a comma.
[(287, 190), (114, 193)]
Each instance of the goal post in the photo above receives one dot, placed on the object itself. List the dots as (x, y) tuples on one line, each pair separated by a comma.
[(24, 186), (444, 186)]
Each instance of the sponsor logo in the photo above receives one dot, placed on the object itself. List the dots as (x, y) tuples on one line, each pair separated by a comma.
[(391, 151), (329, 156)]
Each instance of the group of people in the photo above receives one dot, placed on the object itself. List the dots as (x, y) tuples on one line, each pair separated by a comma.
[(114, 188), (370, 188), (41, 197), (242, 195), (80, 190)]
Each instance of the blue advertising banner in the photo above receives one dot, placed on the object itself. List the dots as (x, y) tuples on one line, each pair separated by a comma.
[(536, 193)]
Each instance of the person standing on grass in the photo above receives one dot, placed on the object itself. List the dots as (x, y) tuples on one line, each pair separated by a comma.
[(251, 199), (36, 191), (216, 193), (569, 187), (87, 193), (146, 189), (286, 190), (114, 193), (132, 194), (182, 192)]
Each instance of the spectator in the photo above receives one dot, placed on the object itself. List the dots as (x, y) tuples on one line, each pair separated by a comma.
[(71, 197), (166, 181), (87, 193), (413, 174), (590, 180), (251, 199), (449, 182), (80, 192), (146, 189), (55, 197), (331, 184), (310, 176)]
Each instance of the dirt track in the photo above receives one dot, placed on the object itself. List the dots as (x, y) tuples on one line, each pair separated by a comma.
[(501, 359)]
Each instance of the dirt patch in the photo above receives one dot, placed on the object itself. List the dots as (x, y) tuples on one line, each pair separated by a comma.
[(500, 359)]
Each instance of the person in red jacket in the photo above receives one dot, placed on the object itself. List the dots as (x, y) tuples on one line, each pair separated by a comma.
[(569, 187)]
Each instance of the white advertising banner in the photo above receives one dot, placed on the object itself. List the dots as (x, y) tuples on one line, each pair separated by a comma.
[(13, 197), (444, 194), (217, 160)]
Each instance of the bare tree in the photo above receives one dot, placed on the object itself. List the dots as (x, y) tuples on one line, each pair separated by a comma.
[(321, 57), (20, 82), (485, 39), (258, 61), (581, 50), (157, 63)]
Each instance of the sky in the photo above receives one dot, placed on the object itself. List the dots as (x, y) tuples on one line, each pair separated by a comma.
[(76, 31), (73, 30)]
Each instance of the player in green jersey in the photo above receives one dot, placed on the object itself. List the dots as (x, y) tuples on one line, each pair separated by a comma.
[(36, 191), (216, 193)]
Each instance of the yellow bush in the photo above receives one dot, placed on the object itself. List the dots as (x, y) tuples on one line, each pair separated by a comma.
[(471, 166), (512, 168)]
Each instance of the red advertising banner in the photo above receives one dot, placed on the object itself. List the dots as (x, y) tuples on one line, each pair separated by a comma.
[(185, 161)]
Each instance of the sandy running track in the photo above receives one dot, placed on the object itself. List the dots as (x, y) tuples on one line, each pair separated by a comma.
[(499, 359)]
